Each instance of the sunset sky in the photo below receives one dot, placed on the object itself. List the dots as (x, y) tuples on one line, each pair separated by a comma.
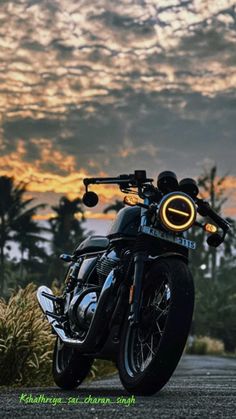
[(105, 87)]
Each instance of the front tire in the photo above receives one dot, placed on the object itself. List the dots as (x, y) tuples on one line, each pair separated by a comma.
[(150, 352), (69, 367)]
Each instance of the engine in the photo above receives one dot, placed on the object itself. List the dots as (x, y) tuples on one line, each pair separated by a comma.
[(105, 264), (83, 305), (82, 309)]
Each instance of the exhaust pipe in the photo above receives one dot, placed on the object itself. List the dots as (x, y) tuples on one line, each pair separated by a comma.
[(96, 327)]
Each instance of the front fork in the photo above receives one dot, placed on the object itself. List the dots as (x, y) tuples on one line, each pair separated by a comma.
[(139, 261), (136, 287)]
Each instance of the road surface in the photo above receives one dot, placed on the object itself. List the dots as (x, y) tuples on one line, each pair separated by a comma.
[(202, 387)]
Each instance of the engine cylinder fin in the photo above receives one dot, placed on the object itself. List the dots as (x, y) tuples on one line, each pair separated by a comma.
[(104, 267)]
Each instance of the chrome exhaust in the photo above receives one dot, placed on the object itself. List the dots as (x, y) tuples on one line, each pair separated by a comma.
[(96, 327)]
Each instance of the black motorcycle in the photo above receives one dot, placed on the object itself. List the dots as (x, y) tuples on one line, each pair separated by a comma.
[(129, 296)]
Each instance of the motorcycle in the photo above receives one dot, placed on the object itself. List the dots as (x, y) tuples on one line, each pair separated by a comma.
[(129, 296)]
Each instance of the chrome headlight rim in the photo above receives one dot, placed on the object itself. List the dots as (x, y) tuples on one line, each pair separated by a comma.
[(166, 200)]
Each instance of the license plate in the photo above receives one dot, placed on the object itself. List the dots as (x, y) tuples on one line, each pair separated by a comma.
[(169, 237)]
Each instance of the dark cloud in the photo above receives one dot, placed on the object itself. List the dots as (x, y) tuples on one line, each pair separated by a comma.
[(119, 84)]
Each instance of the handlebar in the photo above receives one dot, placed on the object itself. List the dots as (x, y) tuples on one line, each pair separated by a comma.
[(139, 179), (135, 179), (205, 210)]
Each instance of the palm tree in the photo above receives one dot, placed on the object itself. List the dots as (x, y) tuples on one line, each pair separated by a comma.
[(117, 206), (213, 186), (66, 228), (67, 232), (13, 210), (28, 235)]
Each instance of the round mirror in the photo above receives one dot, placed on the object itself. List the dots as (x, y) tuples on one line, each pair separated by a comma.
[(90, 199), (189, 186), (214, 240), (167, 182)]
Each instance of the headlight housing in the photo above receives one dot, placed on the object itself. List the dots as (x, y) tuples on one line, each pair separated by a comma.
[(177, 212)]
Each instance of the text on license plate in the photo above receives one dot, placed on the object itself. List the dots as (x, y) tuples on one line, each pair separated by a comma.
[(169, 237)]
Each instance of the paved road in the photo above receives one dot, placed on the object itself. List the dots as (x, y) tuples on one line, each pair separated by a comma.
[(202, 387)]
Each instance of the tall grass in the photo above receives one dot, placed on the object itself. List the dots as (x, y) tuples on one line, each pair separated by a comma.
[(205, 345), (26, 342)]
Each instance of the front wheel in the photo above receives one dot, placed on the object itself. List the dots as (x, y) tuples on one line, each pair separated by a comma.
[(69, 367), (150, 352)]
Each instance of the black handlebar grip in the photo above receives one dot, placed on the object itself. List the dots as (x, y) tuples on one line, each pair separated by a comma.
[(205, 210), (89, 180)]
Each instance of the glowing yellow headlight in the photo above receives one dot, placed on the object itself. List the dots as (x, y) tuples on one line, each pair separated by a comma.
[(177, 212)]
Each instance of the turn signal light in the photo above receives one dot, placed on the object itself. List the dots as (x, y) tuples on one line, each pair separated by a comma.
[(210, 228), (131, 200)]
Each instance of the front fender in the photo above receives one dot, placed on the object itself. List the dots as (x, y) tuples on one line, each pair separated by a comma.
[(168, 255)]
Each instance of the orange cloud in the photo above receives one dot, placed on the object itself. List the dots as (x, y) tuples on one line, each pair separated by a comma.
[(230, 182), (88, 214), (41, 181), (230, 212)]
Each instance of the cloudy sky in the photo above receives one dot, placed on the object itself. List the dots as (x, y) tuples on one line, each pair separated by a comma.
[(105, 87)]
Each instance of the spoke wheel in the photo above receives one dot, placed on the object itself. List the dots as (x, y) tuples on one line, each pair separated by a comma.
[(63, 356), (69, 367), (150, 351), (142, 342)]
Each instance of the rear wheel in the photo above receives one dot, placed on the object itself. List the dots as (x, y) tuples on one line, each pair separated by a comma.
[(150, 352), (69, 367)]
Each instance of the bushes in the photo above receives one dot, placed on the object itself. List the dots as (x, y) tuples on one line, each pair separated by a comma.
[(26, 342), (204, 345), (215, 308)]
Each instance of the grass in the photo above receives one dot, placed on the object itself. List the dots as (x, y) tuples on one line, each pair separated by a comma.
[(204, 345), (26, 343)]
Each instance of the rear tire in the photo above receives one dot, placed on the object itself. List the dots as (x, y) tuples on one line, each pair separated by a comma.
[(69, 367), (150, 352)]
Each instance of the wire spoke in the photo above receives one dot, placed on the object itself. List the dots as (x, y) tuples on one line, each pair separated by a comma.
[(147, 336), (151, 348), (142, 365), (159, 329)]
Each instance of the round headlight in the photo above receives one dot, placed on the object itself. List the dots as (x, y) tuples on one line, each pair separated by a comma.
[(177, 211)]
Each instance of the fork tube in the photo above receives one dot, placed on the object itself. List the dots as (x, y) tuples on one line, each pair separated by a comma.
[(139, 259)]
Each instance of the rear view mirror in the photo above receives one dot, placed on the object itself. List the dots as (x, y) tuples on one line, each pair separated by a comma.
[(189, 186), (215, 240), (90, 199)]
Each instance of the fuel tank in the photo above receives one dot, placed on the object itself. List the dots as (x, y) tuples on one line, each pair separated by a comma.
[(126, 223)]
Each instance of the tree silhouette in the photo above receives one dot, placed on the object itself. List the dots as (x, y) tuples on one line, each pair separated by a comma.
[(67, 231), (212, 186), (14, 212), (215, 299), (66, 228), (28, 235)]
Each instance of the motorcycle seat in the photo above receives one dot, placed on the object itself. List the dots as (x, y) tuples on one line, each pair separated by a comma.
[(92, 244)]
